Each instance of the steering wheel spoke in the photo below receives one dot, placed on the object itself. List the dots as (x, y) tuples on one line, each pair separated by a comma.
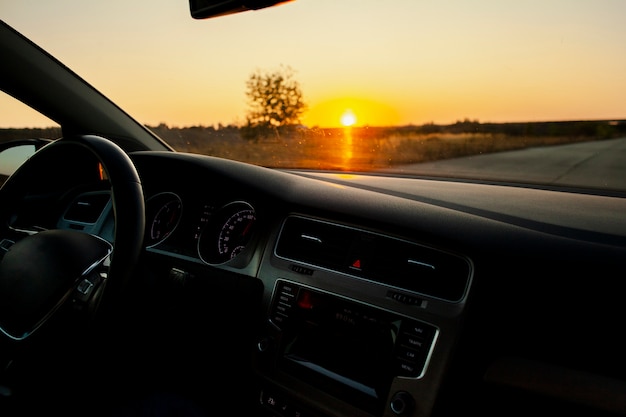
[(42, 270)]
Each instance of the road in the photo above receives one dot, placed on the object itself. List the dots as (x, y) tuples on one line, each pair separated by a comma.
[(599, 164)]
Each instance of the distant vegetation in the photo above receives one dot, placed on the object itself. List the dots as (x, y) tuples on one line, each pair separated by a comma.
[(30, 133), (366, 148), (275, 100)]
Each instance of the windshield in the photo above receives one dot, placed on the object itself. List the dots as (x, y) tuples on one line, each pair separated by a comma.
[(526, 92)]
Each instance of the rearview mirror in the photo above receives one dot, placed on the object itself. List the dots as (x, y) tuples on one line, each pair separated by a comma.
[(203, 9)]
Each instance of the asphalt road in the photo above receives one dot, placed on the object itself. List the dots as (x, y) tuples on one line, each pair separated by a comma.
[(598, 164)]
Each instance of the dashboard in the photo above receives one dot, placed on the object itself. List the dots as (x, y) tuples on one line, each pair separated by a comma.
[(339, 295), (360, 316), (287, 293)]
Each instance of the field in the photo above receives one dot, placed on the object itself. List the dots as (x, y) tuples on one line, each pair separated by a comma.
[(366, 148)]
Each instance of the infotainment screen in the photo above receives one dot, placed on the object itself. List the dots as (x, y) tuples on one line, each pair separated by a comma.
[(347, 349)]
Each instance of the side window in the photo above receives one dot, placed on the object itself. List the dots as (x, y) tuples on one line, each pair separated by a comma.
[(23, 130)]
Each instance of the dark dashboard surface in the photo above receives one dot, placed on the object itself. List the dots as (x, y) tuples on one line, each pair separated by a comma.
[(454, 215), (365, 295), (539, 282)]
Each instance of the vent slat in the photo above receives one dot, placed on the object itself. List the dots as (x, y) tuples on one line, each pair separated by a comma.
[(87, 208), (375, 257)]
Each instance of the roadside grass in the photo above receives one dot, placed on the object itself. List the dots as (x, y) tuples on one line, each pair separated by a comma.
[(353, 149), (366, 148)]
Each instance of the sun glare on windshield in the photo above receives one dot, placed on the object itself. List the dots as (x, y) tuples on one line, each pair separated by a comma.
[(422, 82), (348, 118)]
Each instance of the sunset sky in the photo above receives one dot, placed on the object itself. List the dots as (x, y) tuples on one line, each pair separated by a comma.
[(385, 62)]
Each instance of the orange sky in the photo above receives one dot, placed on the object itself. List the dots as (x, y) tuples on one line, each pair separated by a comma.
[(418, 61)]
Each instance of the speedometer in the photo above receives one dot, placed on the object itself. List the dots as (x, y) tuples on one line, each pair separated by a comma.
[(235, 232), (227, 233)]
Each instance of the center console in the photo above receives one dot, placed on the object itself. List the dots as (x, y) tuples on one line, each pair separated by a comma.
[(343, 343)]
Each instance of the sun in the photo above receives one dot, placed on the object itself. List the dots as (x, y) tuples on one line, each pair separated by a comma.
[(348, 118)]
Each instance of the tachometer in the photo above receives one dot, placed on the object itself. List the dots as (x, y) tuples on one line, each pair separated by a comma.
[(228, 233), (163, 213)]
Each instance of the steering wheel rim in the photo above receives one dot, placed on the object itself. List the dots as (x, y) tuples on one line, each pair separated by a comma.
[(128, 208)]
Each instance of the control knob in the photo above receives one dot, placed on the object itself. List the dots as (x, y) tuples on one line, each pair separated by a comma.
[(402, 403), (265, 344)]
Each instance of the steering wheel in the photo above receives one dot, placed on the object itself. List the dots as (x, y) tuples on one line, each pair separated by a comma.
[(43, 270)]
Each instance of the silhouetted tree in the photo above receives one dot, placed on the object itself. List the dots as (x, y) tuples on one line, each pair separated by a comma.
[(275, 101)]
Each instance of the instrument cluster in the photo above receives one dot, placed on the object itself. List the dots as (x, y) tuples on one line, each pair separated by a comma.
[(215, 233)]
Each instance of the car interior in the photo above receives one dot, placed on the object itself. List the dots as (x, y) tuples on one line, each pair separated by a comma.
[(137, 280)]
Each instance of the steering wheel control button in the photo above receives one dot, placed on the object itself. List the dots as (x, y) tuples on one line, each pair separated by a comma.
[(40, 272), (5, 244), (85, 287)]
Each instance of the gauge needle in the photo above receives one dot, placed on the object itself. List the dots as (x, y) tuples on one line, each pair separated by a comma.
[(173, 217), (248, 226)]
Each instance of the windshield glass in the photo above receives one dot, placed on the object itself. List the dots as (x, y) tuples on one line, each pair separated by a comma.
[(526, 92)]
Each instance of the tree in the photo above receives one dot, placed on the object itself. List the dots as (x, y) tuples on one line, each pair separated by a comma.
[(275, 101)]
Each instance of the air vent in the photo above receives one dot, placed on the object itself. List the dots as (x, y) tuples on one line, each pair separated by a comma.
[(87, 208), (374, 257)]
